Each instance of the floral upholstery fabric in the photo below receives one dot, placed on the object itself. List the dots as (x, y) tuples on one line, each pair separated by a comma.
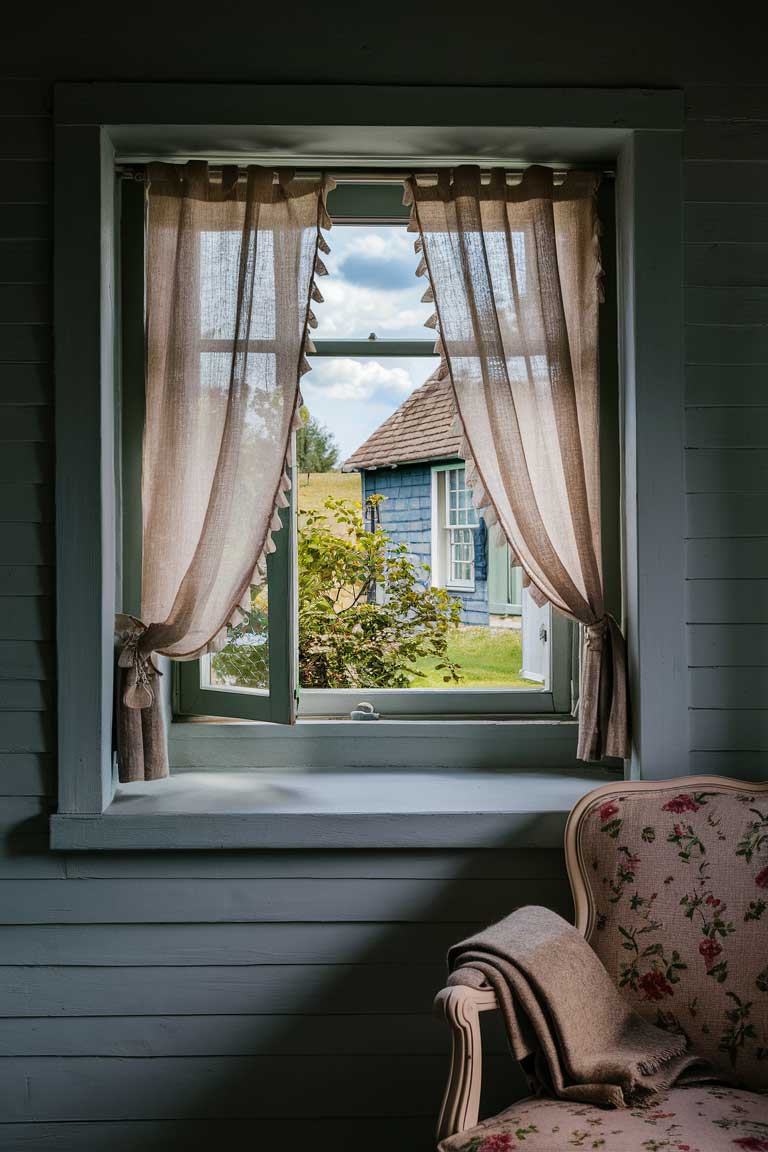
[(679, 883), (709, 1119)]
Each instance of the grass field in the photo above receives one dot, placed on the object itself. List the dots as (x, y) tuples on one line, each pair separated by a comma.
[(318, 486), (489, 658)]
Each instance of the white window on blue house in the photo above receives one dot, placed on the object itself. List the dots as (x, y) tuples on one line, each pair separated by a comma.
[(461, 525), (455, 526)]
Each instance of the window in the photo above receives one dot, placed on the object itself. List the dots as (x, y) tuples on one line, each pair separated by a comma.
[(646, 153), (378, 434), (460, 525)]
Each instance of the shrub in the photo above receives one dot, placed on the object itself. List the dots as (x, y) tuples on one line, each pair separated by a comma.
[(352, 634), (367, 613)]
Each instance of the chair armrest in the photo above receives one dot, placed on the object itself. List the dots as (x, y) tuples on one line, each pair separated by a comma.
[(460, 1007)]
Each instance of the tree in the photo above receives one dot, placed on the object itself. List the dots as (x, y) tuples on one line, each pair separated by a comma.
[(316, 447)]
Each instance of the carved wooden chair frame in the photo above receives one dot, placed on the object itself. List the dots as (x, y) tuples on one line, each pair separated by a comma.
[(460, 1007)]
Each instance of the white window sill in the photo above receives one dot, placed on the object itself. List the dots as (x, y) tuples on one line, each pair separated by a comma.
[(322, 809)]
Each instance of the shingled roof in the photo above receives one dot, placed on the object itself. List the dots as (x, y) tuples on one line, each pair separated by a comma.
[(420, 429)]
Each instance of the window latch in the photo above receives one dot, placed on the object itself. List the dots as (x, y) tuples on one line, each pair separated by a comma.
[(543, 633), (364, 711)]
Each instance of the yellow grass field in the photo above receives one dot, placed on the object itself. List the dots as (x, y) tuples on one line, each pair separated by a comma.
[(316, 488)]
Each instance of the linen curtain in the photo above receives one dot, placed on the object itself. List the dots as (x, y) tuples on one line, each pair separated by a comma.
[(514, 271), (231, 266)]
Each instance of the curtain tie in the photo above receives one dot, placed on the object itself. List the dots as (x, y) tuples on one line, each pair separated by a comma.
[(141, 671), (596, 632)]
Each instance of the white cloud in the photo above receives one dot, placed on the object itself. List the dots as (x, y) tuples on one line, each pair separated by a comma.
[(353, 311), (383, 243), (358, 379), (356, 307), (353, 397), (379, 293)]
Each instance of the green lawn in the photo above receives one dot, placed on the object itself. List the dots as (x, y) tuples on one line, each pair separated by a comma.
[(489, 658)]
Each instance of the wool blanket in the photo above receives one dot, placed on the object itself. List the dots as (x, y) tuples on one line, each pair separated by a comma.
[(566, 1021)]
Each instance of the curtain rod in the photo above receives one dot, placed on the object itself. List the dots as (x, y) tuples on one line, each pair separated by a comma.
[(135, 170)]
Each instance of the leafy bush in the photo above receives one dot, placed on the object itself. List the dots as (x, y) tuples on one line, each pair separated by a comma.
[(367, 613), (351, 635)]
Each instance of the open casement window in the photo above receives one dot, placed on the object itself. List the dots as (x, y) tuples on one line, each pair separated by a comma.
[(257, 676), (227, 684)]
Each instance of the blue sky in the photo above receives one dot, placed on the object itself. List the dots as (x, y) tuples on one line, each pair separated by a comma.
[(371, 287)]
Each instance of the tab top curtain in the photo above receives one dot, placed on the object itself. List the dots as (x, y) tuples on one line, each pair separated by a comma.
[(231, 266), (514, 271)]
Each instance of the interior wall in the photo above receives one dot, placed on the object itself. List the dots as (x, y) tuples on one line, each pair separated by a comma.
[(180, 999)]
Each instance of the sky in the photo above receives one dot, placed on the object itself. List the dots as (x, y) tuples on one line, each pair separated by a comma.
[(371, 286)]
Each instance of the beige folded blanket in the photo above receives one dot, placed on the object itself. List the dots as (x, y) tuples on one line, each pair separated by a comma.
[(561, 1006)]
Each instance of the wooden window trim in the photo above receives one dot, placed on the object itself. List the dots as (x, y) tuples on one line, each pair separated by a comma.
[(636, 132)]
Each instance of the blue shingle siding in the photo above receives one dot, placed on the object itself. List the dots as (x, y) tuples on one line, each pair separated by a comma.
[(406, 514)]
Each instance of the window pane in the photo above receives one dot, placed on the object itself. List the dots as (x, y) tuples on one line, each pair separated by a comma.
[(380, 565), (462, 556), (244, 662), (219, 280), (461, 512), (372, 286), (353, 396)]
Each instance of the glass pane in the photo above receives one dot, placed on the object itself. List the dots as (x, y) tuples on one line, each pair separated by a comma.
[(372, 286), (220, 255), (376, 609), (462, 555), (461, 511), (244, 662)]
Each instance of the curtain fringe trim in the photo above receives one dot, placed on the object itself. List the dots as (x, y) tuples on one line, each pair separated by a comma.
[(308, 349), (240, 610)]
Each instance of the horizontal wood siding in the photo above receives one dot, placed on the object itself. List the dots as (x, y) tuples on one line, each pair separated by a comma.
[(726, 295), (142, 995), (170, 1000)]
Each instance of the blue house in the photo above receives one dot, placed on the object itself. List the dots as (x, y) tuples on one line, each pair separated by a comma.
[(413, 460)]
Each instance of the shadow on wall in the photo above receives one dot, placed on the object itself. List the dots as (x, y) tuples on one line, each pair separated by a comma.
[(274, 1000)]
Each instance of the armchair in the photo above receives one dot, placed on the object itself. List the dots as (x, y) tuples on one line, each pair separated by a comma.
[(670, 888)]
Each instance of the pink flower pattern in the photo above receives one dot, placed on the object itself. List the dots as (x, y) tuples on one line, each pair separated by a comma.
[(654, 985), (689, 952), (681, 803), (683, 1120), (710, 950), (501, 1142)]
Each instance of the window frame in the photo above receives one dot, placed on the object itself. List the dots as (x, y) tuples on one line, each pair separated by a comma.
[(380, 204), (446, 579), (637, 132)]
